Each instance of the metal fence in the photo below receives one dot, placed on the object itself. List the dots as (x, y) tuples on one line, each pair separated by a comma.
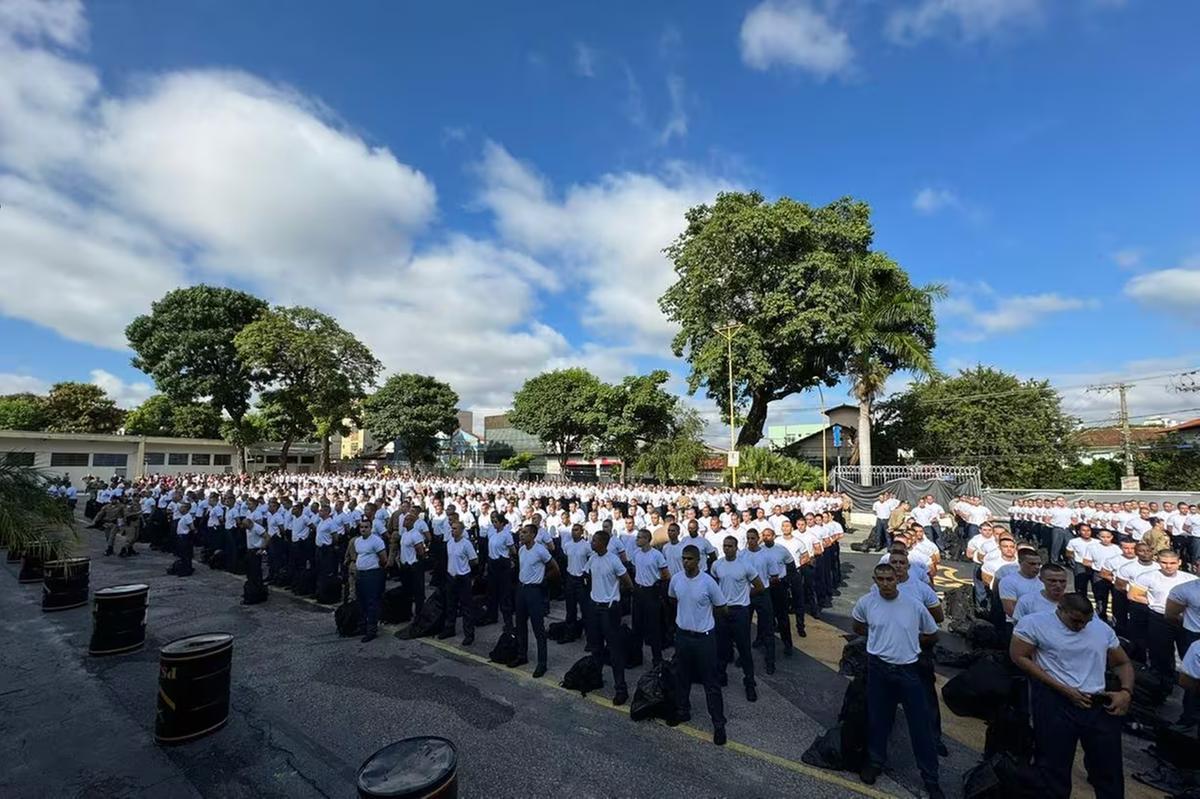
[(968, 476)]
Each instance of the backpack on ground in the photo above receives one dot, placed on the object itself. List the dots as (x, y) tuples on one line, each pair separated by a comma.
[(584, 675), (505, 650), (329, 589), (254, 594), (655, 694), (396, 607), (430, 620), (348, 618), (979, 691), (304, 583)]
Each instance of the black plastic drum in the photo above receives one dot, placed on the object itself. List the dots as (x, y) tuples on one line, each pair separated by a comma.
[(193, 687), (31, 564), (65, 584), (413, 768), (13, 555), (119, 619)]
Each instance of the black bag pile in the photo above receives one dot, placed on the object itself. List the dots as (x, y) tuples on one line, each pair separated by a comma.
[(505, 650), (395, 609), (585, 675), (562, 632), (348, 618), (428, 622), (843, 747)]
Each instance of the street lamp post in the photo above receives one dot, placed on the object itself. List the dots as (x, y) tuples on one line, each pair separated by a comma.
[(727, 330)]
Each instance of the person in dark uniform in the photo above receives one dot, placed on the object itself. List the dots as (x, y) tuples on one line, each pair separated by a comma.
[(697, 598), (535, 562), (255, 548), (608, 575), (782, 570), (576, 552), (738, 580)]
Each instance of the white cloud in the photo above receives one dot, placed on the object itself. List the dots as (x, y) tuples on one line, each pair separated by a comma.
[(22, 384), (963, 19), (677, 121), (588, 230), (794, 34), (1151, 394), (585, 60), (60, 22), (929, 200), (997, 315), (1177, 288), (126, 395), (1128, 258)]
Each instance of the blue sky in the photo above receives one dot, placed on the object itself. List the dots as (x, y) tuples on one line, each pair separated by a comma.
[(481, 191)]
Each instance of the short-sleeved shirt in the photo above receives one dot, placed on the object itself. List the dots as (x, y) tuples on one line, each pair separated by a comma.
[(648, 566), (499, 544), (578, 553), (459, 555), (533, 563), (1076, 659), (1188, 595), (254, 536), (918, 590), (764, 563), (184, 525), (894, 626), (299, 528), (1191, 661), (409, 539), (366, 551), (606, 571), (1158, 586), (695, 597), (1032, 603), (1016, 585), (735, 578)]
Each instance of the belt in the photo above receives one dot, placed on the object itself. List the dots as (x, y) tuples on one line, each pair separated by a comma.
[(692, 633)]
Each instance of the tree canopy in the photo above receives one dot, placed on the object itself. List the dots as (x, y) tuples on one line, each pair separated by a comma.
[(411, 410), (81, 408), (677, 456), (761, 467), (635, 413), (309, 368), (786, 271), (186, 344), (161, 416), (1014, 430), (23, 412), (562, 408), (1169, 465)]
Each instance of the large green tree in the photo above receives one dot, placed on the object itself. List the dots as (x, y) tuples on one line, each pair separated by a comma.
[(81, 408), (786, 272), (891, 328), (411, 410), (563, 408), (1014, 430), (310, 371), (762, 466), (186, 344), (636, 413), (1170, 465), (23, 412)]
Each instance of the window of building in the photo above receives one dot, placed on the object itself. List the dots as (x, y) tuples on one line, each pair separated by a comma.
[(308, 458), (177, 459), (155, 458), (201, 458), (69, 459), (222, 460), (109, 459), (18, 458)]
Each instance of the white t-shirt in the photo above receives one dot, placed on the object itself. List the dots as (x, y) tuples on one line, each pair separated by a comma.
[(695, 598), (366, 552), (1191, 661), (459, 555), (894, 626), (577, 553), (918, 590), (1188, 595), (734, 577), (533, 563), (647, 566), (606, 571), (184, 526), (1076, 659), (1158, 586), (1015, 586), (1032, 603)]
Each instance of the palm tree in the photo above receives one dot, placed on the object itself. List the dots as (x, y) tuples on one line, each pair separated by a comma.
[(29, 515), (892, 330)]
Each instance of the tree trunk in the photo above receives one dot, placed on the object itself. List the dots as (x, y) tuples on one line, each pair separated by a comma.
[(241, 449), (752, 430), (324, 466), (863, 438), (283, 454)]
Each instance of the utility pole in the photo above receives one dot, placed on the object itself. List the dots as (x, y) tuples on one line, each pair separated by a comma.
[(727, 330), (1130, 481)]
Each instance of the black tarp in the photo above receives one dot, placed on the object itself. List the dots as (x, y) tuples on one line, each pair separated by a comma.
[(944, 491)]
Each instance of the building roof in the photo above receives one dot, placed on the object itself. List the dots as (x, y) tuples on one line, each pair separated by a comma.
[(1111, 437), (1194, 424), (37, 435)]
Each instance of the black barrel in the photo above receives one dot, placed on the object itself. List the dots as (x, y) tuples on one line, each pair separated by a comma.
[(413, 768), (193, 687), (119, 620), (65, 584), (31, 564), (14, 554)]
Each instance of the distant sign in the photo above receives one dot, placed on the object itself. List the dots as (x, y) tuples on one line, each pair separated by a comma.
[(837, 435), (733, 459)]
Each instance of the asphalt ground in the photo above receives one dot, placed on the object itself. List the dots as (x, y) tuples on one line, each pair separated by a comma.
[(308, 707)]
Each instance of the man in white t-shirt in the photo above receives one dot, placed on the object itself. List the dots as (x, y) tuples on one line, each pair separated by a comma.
[(896, 624), (1053, 578), (1065, 654), (1025, 580), (1152, 589), (1183, 615)]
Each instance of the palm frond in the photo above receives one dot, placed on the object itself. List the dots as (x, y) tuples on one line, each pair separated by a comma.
[(29, 516)]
